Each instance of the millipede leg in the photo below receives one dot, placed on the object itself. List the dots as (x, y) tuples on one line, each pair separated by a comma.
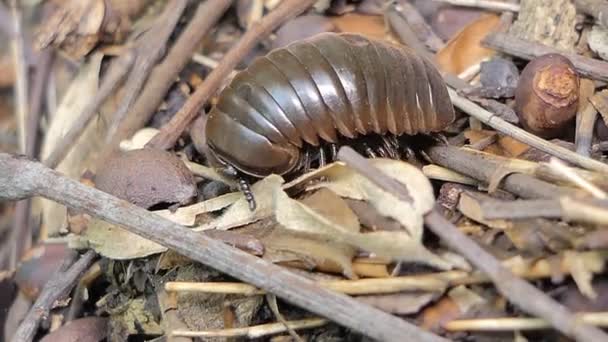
[(382, 152), (333, 152), (306, 162), (390, 148), (245, 188), (369, 151), (322, 158)]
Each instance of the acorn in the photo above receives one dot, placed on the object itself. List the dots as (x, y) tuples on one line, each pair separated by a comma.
[(546, 97)]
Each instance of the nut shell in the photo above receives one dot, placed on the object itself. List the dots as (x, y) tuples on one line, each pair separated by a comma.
[(147, 177), (547, 95)]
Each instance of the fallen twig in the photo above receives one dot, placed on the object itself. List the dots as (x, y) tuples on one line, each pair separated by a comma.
[(482, 168), (56, 287), (164, 74), (518, 291), (21, 75), (148, 50), (255, 331), (498, 6), (21, 178), (169, 133), (523, 136), (599, 319), (400, 12), (351, 287), (509, 44), (20, 236), (575, 178)]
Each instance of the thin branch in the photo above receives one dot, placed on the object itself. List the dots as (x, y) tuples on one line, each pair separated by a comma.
[(351, 287), (498, 6), (164, 74), (116, 74), (57, 286), (403, 12), (518, 291), (20, 237), (517, 133), (21, 178), (148, 49), (509, 44), (174, 128), (21, 75), (599, 319), (483, 168), (255, 331)]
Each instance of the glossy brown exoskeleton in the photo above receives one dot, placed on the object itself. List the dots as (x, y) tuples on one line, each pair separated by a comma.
[(317, 92)]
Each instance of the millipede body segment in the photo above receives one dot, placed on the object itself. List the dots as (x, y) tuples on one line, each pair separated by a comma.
[(318, 91)]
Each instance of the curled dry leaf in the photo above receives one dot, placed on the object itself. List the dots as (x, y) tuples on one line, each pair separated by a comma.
[(147, 177), (239, 213), (451, 59), (89, 329), (298, 217), (77, 26), (187, 215), (37, 267), (347, 183), (325, 253)]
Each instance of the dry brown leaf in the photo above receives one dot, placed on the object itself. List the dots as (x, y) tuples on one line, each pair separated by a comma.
[(475, 135), (187, 215), (239, 213), (465, 298), (327, 255), (347, 183), (81, 90), (512, 147), (445, 310), (298, 217), (114, 242), (465, 50), (399, 303), (368, 25)]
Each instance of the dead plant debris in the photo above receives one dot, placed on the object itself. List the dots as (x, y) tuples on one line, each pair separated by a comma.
[(144, 229)]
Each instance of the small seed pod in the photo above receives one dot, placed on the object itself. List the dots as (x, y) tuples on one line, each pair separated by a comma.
[(547, 95)]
